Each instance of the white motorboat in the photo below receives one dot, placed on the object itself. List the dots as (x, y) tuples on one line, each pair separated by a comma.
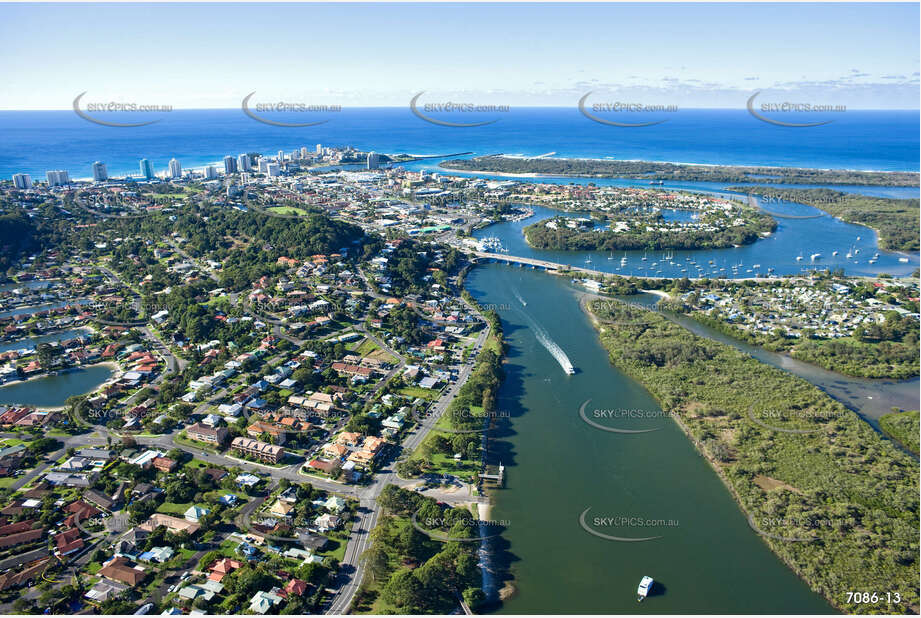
[(644, 588)]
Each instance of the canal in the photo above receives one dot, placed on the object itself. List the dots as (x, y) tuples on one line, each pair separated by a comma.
[(30, 343)]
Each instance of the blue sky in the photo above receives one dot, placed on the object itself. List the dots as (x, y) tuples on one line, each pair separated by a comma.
[(691, 55)]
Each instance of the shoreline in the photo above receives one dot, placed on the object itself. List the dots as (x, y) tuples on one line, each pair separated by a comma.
[(707, 165), (754, 181)]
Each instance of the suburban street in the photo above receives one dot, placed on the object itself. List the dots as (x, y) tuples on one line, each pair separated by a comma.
[(351, 570)]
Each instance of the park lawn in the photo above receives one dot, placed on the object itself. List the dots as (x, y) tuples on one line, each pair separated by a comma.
[(440, 463), (444, 421), (446, 464), (492, 343)]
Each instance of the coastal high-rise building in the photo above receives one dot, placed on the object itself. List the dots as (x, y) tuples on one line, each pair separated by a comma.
[(244, 164), (100, 173), (272, 169), (373, 160), (281, 156), (210, 172), (263, 165), (319, 148), (147, 169), (58, 178), (175, 169), (230, 165), (304, 152), (22, 181)]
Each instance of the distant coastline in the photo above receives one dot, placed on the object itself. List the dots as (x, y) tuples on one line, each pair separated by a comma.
[(656, 172)]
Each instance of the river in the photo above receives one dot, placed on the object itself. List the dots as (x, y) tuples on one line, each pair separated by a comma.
[(794, 238), (558, 465), (707, 559)]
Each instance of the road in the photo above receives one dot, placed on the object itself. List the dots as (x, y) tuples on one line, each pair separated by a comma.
[(351, 571)]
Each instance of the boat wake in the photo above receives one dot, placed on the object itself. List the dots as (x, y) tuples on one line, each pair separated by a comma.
[(551, 346), (521, 300)]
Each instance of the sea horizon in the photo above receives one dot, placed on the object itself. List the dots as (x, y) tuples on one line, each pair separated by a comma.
[(864, 140)]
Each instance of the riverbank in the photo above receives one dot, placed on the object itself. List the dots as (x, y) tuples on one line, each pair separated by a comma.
[(772, 466)]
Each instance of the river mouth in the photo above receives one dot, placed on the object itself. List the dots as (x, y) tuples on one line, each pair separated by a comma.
[(623, 505)]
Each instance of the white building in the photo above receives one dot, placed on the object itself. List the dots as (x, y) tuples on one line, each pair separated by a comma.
[(272, 169), (319, 148), (373, 160), (210, 172), (57, 178), (100, 173), (304, 152), (22, 181), (244, 164), (230, 165), (175, 169)]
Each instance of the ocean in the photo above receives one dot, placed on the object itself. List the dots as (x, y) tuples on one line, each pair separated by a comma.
[(36, 141)]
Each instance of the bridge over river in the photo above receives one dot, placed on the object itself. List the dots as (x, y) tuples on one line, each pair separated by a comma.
[(568, 269)]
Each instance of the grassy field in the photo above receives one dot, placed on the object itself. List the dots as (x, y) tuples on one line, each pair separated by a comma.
[(366, 347), (180, 439), (174, 508), (287, 210), (417, 391)]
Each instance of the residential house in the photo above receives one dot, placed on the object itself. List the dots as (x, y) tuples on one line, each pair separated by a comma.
[(122, 570)]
